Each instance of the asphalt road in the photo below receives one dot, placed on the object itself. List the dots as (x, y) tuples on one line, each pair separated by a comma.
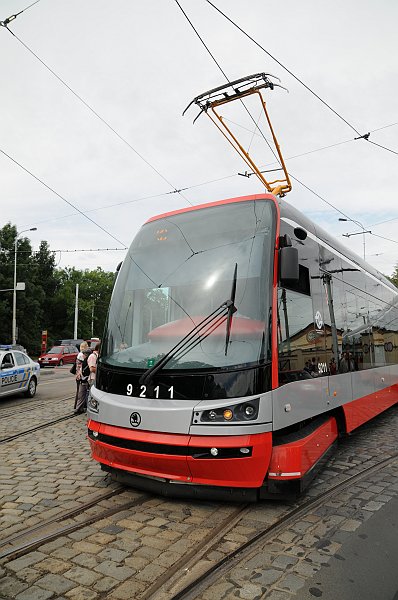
[(365, 568), (54, 383)]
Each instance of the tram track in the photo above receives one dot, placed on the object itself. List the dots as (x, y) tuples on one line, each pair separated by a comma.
[(195, 572), (11, 438), (22, 408), (35, 536)]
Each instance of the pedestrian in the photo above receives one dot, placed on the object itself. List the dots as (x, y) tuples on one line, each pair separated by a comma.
[(314, 367), (92, 363), (332, 367), (84, 369), (346, 363), (77, 370)]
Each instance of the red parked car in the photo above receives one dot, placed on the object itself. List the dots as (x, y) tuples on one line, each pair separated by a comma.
[(57, 356)]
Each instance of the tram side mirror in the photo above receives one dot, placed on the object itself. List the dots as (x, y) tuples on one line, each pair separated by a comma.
[(288, 264)]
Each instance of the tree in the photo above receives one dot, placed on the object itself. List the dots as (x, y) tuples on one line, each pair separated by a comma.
[(394, 276), (48, 302), (95, 289)]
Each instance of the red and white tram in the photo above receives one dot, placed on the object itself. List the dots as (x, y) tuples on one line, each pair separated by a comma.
[(242, 340)]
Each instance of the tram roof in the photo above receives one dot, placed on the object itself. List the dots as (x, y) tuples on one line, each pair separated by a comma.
[(288, 211), (291, 213)]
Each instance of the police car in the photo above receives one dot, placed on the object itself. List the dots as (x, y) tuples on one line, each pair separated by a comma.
[(18, 372)]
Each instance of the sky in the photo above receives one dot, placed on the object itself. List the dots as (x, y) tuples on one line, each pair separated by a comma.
[(88, 161)]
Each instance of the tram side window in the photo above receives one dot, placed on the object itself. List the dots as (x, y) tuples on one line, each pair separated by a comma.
[(391, 338), (388, 325), (335, 310), (377, 309), (357, 339), (385, 327), (297, 337)]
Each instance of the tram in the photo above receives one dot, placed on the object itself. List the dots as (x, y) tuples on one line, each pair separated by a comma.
[(242, 341)]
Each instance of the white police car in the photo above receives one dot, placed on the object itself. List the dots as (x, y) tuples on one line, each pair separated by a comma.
[(18, 372)]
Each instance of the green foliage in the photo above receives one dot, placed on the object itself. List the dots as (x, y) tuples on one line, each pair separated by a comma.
[(394, 277), (48, 302)]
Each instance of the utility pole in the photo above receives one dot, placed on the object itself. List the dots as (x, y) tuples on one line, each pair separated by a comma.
[(76, 312), (92, 318), (14, 297)]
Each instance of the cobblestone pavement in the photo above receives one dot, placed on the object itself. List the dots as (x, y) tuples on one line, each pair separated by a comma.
[(123, 555), (44, 474), (279, 568), (29, 418), (54, 399)]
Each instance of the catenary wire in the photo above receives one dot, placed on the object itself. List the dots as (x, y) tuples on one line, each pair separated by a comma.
[(175, 190), (11, 18), (94, 112), (204, 183), (384, 147), (295, 178), (320, 197), (283, 66), (134, 200), (226, 77), (61, 197), (37, 252), (383, 238), (366, 136), (382, 222)]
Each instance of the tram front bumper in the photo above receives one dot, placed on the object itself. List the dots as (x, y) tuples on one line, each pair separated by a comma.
[(239, 461)]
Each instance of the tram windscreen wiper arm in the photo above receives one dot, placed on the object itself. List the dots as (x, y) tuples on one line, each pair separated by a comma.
[(231, 308), (196, 335)]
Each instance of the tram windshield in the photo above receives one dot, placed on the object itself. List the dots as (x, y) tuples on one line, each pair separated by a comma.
[(182, 268)]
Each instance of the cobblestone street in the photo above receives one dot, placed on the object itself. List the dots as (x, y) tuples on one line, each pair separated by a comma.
[(134, 552)]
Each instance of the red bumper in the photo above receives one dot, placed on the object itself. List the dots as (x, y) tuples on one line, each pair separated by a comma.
[(183, 458), (295, 459)]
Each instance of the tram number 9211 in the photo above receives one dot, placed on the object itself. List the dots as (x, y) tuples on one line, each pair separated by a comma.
[(142, 391)]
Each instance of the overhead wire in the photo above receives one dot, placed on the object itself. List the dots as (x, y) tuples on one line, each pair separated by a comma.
[(295, 178), (93, 111), (383, 238), (132, 201), (384, 147), (61, 197), (11, 18), (37, 252), (175, 190), (204, 183), (225, 75), (283, 66), (382, 222), (365, 136), (319, 196)]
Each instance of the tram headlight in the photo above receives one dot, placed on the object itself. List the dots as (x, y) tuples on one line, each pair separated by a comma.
[(244, 411), (93, 404), (249, 410)]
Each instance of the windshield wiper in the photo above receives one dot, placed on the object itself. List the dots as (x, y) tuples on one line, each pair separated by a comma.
[(197, 334), (231, 309)]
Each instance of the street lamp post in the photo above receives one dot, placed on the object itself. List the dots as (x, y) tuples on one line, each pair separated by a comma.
[(14, 299), (357, 233)]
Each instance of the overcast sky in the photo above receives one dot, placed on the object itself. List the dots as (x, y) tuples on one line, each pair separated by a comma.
[(138, 64)]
